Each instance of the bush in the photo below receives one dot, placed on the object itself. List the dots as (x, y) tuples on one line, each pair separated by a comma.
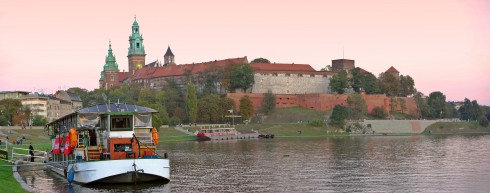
[(483, 121), (379, 112), (174, 121), (316, 123)]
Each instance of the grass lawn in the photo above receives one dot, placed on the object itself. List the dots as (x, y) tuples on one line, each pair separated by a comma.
[(8, 182), (291, 130), (294, 115), (456, 127), (169, 131), (177, 138)]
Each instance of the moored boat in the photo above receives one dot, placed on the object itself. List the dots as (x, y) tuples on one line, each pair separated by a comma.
[(107, 143), (225, 134)]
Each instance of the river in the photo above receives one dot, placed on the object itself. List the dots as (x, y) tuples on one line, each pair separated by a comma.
[(456, 163)]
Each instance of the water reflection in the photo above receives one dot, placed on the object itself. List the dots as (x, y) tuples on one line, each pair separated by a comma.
[(336, 164)]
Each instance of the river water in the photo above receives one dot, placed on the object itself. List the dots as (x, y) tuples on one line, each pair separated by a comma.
[(334, 164)]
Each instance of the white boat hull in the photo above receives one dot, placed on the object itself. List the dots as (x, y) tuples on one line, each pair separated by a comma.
[(120, 171)]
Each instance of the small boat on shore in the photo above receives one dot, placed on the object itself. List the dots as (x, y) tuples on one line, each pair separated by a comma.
[(225, 134), (107, 143)]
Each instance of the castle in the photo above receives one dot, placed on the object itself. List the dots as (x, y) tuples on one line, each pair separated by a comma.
[(292, 84)]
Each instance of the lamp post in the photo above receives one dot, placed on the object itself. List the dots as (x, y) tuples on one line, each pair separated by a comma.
[(232, 116)]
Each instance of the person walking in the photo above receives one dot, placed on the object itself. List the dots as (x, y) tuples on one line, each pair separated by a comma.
[(31, 151)]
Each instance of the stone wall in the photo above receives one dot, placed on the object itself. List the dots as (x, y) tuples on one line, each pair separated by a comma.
[(289, 83), (398, 126)]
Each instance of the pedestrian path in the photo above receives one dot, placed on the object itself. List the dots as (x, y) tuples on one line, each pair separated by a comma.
[(183, 130)]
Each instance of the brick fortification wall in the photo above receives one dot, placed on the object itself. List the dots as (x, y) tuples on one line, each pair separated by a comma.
[(322, 102)]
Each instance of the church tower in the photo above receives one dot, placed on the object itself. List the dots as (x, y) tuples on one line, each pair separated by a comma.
[(169, 58), (136, 51), (109, 76)]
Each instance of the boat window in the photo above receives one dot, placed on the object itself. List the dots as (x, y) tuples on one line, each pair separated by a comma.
[(142, 120), (122, 147), (121, 123)]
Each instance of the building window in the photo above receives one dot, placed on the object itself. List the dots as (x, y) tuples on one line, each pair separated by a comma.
[(300, 75), (274, 74), (287, 74), (112, 77), (137, 45)]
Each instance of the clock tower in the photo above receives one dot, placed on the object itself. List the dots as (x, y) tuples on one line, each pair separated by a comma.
[(136, 50)]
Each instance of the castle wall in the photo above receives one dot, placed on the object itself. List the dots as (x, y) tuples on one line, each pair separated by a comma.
[(322, 102), (286, 83)]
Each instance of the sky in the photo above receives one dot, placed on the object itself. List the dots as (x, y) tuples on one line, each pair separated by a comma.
[(442, 44)]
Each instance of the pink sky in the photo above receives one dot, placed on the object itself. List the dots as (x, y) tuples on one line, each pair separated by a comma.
[(443, 44)]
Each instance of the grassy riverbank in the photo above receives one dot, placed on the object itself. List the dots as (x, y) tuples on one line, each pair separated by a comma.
[(456, 128), (9, 184)]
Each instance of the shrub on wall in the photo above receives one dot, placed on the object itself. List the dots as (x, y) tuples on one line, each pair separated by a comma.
[(379, 112)]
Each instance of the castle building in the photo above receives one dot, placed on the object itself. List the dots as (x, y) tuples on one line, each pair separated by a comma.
[(278, 78), (343, 64)]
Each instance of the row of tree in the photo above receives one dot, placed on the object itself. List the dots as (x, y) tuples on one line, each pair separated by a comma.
[(434, 106), (362, 81), (12, 112)]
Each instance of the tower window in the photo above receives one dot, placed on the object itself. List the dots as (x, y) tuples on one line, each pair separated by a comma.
[(137, 45)]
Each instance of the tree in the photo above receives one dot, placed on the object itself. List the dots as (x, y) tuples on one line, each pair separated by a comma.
[(379, 112), (339, 82), (327, 68), (357, 106), (356, 79), (208, 109), (390, 84), (39, 120), (364, 81), (268, 103), (471, 110), (191, 102), (242, 76), (422, 106), (209, 80), (260, 60), (370, 84), (339, 114), (483, 121), (437, 103), (407, 86), (9, 108), (246, 107), (22, 117)]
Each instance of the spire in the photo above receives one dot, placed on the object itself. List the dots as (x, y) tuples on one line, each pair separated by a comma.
[(169, 58), (169, 52), (110, 60)]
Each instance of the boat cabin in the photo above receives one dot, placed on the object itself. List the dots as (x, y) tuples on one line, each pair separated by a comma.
[(104, 131)]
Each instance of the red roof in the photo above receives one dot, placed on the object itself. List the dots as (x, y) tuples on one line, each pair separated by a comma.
[(281, 67), (123, 76), (180, 70), (392, 70)]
